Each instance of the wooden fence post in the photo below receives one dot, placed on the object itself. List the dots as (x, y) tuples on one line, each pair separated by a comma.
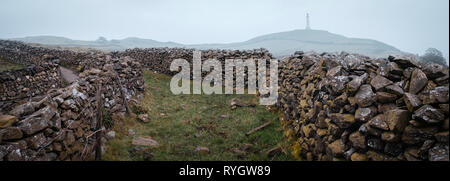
[(98, 146)]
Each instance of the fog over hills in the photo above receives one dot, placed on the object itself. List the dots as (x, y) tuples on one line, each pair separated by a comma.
[(279, 44)]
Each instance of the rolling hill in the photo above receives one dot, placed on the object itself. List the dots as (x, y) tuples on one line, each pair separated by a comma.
[(279, 44)]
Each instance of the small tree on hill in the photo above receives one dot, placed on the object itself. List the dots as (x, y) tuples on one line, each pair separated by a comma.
[(102, 39), (433, 55)]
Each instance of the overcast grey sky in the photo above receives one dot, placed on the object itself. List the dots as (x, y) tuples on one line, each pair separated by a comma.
[(410, 25)]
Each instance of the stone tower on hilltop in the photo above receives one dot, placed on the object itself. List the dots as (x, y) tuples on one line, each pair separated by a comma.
[(307, 22)]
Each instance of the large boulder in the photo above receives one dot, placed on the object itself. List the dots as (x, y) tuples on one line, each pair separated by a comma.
[(33, 125), (434, 71), (379, 82), (364, 114), (404, 60), (439, 153), (343, 120), (11, 133), (358, 140), (23, 109), (354, 85), (337, 148), (379, 122), (429, 114), (144, 141), (412, 101), (7, 120), (397, 119), (384, 97), (435, 95), (365, 96), (416, 136), (395, 89), (418, 81)]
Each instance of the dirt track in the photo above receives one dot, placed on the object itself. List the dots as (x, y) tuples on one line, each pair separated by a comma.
[(68, 75)]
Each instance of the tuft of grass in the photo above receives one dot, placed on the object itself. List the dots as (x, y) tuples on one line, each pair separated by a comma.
[(180, 123), (5, 65), (107, 121)]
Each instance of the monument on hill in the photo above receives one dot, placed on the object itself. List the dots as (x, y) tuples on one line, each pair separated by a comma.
[(307, 22)]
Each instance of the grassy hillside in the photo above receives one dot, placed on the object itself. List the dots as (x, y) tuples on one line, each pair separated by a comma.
[(181, 123)]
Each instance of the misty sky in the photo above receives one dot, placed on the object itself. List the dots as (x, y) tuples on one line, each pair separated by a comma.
[(410, 25)]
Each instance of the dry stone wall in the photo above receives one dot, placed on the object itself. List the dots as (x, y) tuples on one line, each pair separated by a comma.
[(159, 59), (335, 106), (40, 74), (61, 124), (31, 81), (24, 54), (350, 107)]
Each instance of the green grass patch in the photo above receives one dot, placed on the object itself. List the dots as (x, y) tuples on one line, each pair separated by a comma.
[(5, 65), (180, 123)]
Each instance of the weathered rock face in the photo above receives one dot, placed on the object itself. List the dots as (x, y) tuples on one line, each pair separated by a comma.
[(389, 109)]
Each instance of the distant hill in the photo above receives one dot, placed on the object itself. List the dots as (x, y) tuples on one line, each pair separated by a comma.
[(99, 44), (279, 44), (286, 43)]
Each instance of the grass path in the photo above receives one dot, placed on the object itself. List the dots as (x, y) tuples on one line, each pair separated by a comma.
[(5, 65), (181, 123)]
